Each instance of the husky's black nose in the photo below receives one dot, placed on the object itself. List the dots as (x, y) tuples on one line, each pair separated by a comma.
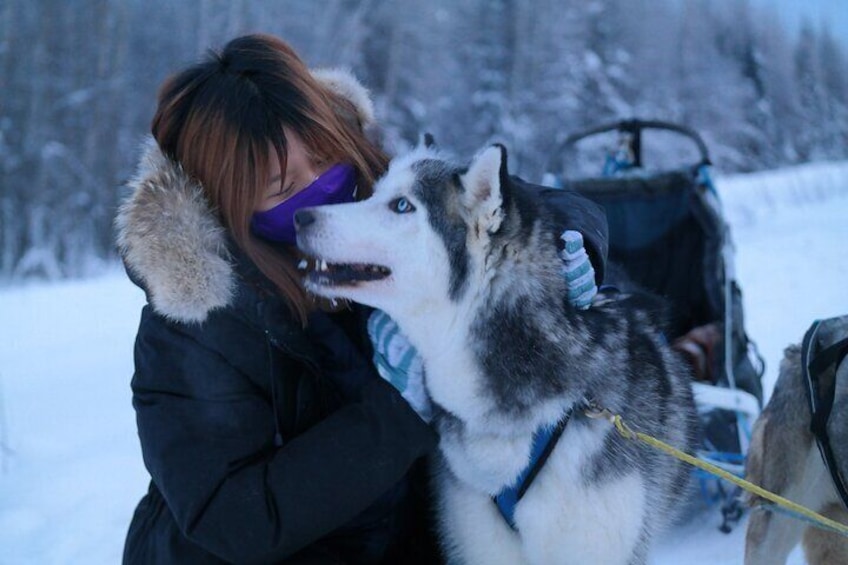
[(303, 218)]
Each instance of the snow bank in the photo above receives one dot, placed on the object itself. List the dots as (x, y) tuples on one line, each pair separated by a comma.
[(749, 198), (70, 465)]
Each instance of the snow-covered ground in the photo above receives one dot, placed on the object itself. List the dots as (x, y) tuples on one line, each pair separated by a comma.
[(70, 467)]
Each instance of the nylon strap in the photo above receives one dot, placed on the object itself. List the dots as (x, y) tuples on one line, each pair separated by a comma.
[(820, 374), (544, 440)]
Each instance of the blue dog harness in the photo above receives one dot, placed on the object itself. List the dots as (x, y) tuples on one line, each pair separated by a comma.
[(544, 440)]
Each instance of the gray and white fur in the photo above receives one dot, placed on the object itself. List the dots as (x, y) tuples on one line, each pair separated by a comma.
[(475, 284)]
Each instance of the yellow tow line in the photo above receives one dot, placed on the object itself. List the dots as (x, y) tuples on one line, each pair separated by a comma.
[(626, 432)]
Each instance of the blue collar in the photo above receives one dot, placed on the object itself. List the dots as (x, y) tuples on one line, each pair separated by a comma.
[(544, 440)]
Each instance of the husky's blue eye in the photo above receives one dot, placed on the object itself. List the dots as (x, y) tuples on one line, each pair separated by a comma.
[(401, 206)]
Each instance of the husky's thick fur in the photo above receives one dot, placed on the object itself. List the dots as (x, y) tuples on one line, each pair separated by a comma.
[(467, 265), (784, 458)]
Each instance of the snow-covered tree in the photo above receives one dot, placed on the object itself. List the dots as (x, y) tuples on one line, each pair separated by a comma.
[(834, 80), (78, 84)]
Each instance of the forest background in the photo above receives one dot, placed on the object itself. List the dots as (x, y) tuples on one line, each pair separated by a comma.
[(78, 82)]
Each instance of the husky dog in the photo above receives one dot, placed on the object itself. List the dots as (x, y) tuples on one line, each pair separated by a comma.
[(784, 458), (467, 265)]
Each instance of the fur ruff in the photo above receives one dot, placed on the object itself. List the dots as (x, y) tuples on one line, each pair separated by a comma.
[(172, 239)]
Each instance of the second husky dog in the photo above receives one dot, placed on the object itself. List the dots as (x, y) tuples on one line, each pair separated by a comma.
[(784, 458), (467, 265)]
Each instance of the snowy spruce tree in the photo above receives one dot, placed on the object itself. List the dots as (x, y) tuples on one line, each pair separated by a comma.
[(79, 84)]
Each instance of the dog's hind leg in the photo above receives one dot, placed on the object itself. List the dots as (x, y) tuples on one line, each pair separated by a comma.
[(827, 548)]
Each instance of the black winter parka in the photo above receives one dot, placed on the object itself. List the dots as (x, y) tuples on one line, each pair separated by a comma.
[(265, 442)]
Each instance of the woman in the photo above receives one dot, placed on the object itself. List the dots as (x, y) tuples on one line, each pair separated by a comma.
[(268, 434)]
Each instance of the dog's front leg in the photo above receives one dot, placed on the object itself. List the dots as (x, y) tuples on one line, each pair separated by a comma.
[(471, 529), (782, 458), (770, 537)]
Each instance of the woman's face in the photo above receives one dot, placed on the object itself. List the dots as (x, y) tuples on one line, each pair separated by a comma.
[(301, 170)]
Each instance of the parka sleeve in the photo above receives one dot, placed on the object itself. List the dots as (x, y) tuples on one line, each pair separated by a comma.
[(205, 440), (574, 211)]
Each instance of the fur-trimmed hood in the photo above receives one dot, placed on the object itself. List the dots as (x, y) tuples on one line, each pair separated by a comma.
[(172, 241)]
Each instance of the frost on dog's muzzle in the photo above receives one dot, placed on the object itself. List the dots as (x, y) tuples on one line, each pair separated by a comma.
[(322, 273)]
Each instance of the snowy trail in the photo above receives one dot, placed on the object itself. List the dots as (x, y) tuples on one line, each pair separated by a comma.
[(71, 470), (74, 473), (790, 230)]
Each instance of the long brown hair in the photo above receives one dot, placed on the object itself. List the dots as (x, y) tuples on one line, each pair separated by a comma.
[(220, 118)]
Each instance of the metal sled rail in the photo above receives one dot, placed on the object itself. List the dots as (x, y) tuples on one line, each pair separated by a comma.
[(635, 127)]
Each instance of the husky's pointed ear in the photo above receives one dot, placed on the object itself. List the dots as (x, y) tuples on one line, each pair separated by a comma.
[(483, 194)]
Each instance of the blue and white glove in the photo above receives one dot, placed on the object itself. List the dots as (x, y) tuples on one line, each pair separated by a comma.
[(398, 362), (577, 270)]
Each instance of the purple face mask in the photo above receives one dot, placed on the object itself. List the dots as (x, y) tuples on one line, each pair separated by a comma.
[(336, 186)]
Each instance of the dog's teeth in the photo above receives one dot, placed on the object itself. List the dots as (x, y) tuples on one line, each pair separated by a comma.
[(303, 264), (322, 265)]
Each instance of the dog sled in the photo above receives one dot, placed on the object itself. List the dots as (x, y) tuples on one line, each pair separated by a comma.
[(667, 235)]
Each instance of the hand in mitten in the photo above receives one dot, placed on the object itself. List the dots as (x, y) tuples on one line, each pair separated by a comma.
[(577, 270), (398, 362)]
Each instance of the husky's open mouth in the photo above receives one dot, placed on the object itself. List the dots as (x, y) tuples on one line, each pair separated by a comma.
[(322, 273)]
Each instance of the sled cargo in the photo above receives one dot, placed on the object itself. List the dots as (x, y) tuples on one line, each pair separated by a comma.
[(668, 235)]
